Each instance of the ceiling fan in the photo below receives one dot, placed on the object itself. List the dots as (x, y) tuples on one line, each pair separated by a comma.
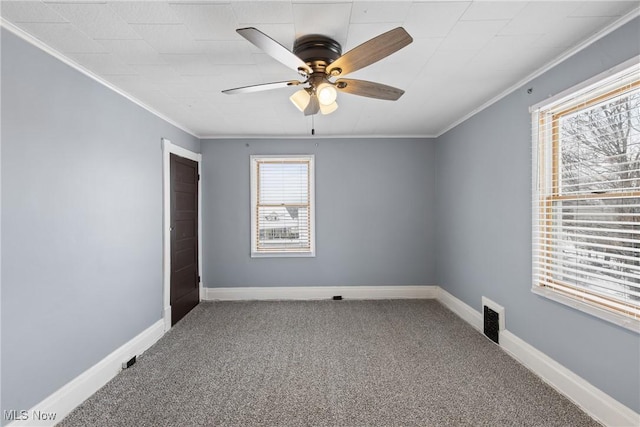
[(319, 60)]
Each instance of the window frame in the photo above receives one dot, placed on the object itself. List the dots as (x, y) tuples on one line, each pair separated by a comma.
[(254, 161), (547, 192)]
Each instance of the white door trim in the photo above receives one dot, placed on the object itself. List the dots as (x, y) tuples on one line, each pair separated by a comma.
[(169, 148)]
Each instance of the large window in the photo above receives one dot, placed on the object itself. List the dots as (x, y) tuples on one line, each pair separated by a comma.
[(586, 221), (282, 206)]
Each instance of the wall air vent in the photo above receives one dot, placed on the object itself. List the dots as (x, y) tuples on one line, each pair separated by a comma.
[(492, 319), (492, 325)]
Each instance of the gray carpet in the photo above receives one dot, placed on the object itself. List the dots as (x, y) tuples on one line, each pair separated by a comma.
[(325, 363)]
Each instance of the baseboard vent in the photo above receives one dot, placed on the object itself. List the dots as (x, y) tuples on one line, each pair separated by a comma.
[(337, 297), (492, 319), (492, 325), (129, 363)]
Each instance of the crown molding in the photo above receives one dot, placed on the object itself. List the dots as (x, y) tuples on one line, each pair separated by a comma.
[(570, 52), (567, 54), (317, 137), (59, 56)]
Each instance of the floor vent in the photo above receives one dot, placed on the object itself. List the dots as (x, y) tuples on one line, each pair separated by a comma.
[(491, 324), (129, 363)]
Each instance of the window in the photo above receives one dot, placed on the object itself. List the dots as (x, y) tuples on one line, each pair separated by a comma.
[(282, 206), (586, 220)]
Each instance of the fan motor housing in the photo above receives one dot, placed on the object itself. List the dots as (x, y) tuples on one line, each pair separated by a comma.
[(317, 51)]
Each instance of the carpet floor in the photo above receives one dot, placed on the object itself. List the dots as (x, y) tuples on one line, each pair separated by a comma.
[(325, 363)]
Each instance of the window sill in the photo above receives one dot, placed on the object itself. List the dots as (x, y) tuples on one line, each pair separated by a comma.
[(283, 255), (609, 316)]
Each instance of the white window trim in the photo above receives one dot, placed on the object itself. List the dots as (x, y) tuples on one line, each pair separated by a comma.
[(603, 78), (584, 86), (312, 216), (609, 316)]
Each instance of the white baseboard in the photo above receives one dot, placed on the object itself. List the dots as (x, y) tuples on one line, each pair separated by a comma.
[(590, 399), (468, 314), (321, 292), (167, 318), (69, 396)]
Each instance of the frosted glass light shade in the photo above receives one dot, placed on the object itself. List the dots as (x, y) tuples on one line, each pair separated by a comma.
[(327, 94), (300, 99), (328, 109)]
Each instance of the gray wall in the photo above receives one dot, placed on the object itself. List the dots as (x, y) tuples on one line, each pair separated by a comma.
[(81, 241), (81, 222), (483, 218), (374, 214)]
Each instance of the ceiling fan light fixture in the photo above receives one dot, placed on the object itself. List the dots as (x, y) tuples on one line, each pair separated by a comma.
[(328, 109), (327, 94), (301, 99), (319, 58)]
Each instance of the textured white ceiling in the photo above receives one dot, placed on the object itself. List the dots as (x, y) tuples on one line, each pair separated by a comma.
[(176, 57)]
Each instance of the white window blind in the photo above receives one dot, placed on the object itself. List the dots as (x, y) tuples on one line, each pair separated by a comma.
[(586, 220), (282, 206)]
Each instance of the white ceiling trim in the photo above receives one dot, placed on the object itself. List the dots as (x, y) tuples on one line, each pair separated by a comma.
[(66, 60), (597, 36), (51, 51), (311, 137)]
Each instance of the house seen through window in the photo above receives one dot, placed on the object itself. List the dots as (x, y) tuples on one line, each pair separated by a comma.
[(587, 198), (282, 211)]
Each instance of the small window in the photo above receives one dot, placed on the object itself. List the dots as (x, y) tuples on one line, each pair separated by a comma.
[(282, 206), (586, 221)]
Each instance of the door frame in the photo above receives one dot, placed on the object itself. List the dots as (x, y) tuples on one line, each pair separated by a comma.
[(169, 148)]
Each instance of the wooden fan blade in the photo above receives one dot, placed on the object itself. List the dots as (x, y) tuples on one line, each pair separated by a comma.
[(274, 49), (369, 89), (370, 51), (313, 107), (261, 87)]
